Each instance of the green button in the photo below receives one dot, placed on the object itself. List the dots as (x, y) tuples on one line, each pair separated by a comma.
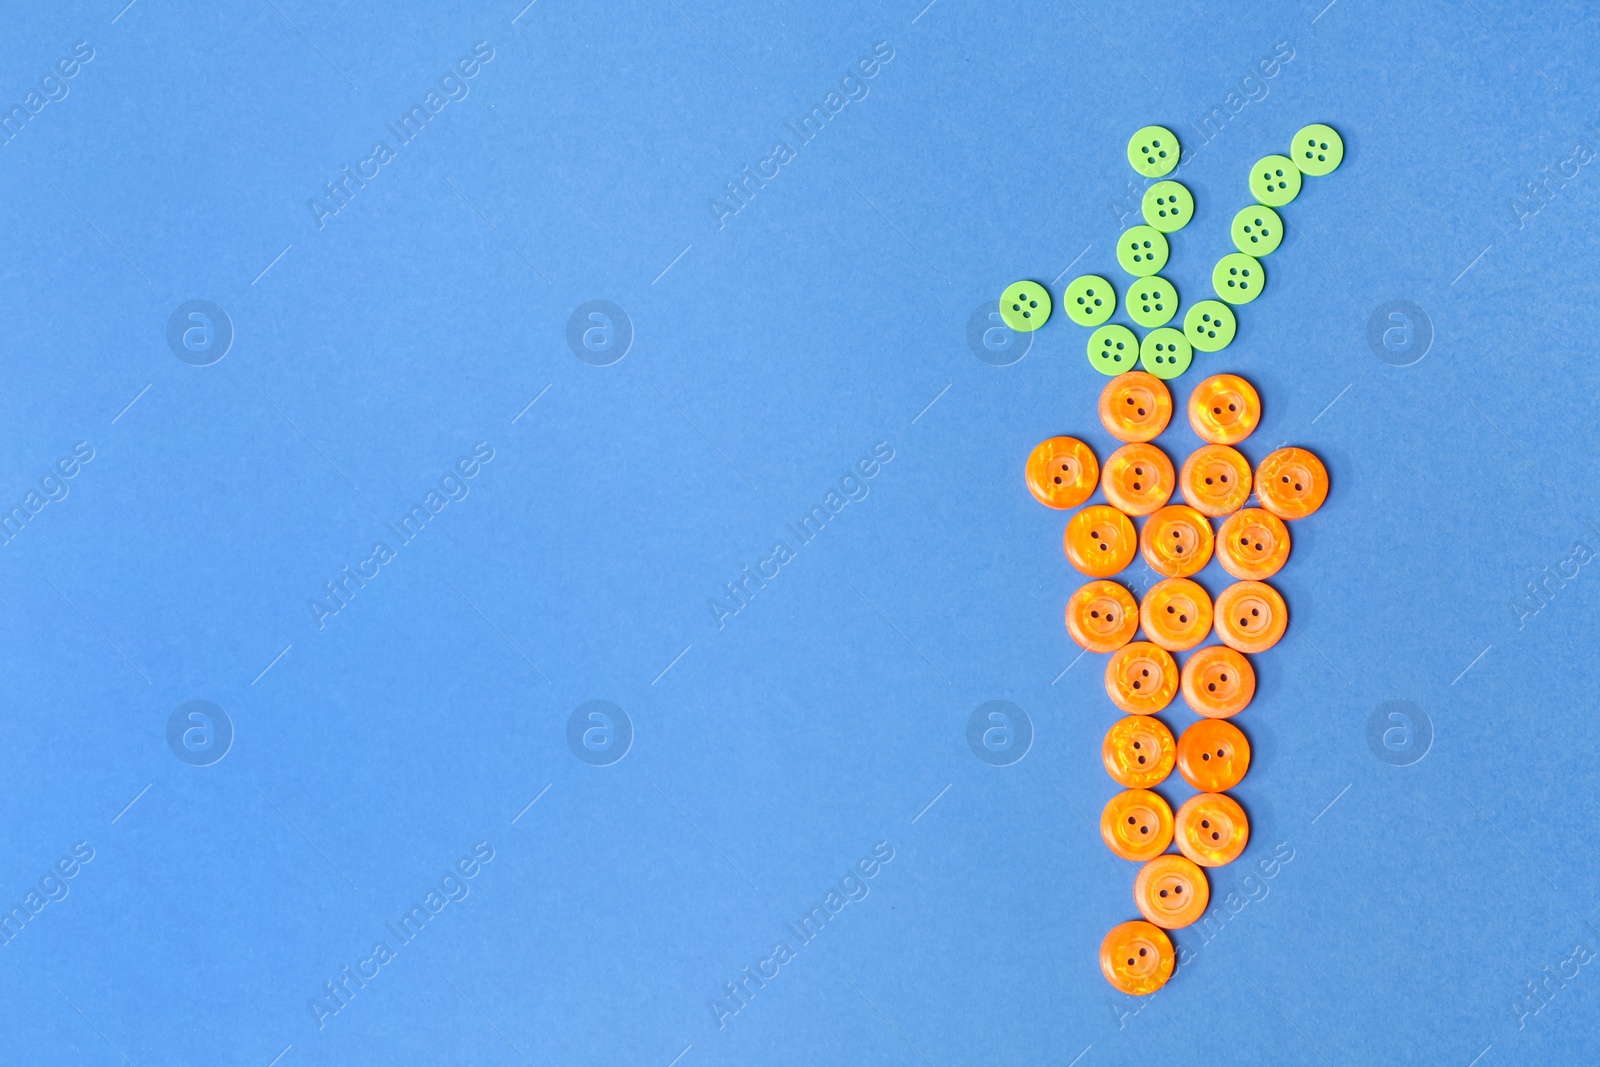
[(1166, 353), (1317, 150), (1275, 180), (1089, 300), (1025, 306), (1151, 302), (1257, 230), (1167, 206), (1153, 151), (1238, 278), (1142, 251), (1210, 325), (1113, 349)]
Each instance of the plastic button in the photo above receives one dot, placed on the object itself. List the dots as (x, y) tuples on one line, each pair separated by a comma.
[(1275, 180), (1291, 483), (1113, 349), (1317, 150), (1210, 325), (1253, 544), (1251, 616), (1166, 353), (1025, 306), (1153, 151), (1135, 406), (1213, 755), (1168, 206), (1257, 231), (1171, 891), (1238, 278), (1137, 958), (1141, 678), (1215, 480), (1176, 541), (1151, 302), (1100, 541), (1212, 829), (1142, 251), (1062, 472), (1218, 682), (1138, 478), (1102, 616), (1176, 614), (1224, 409), (1139, 751), (1136, 825), (1089, 300)]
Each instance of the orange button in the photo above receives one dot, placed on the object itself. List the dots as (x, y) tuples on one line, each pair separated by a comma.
[(1176, 541), (1062, 472), (1213, 755), (1253, 544), (1137, 958), (1102, 616), (1218, 682), (1251, 616), (1212, 829), (1137, 825), (1139, 751), (1135, 406), (1224, 409), (1171, 891), (1138, 478), (1215, 480), (1176, 614), (1291, 483), (1141, 678), (1100, 541)]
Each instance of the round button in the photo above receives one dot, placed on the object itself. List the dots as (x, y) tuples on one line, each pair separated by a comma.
[(1176, 614), (1167, 206), (1089, 300), (1102, 616), (1210, 325), (1025, 306), (1136, 825), (1213, 755), (1141, 678), (1153, 151), (1218, 682), (1171, 891), (1253, 544), (1166, 353), (1257, 230), (1224, 409), (1135, 406), (1251, 616), (1275, 180), (1215, 480), (1238, 278), (1317, 150), (1291, 483), (1139, 751), (1142, 251), (1100, 541), (1113, 349), (1062, 472), (1138, 478), (1151, 302), (1137, 958), (1176, 541), (1212, 829)]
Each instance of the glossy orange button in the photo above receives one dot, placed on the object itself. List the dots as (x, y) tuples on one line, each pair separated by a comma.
[(1137, 825), (1137, 958), (1176, 541), (1171, 891), (1139, 751), (1176, 614), (1218, 682), (1100, 541), (1253, 544), (1224, 409), (1102, 616), (1215, 480), (1213, 755), (1062, 472), (1138, 478), (1135, 406), (1251, 616), (1212, 829), (1291, 483), (1141, 678)]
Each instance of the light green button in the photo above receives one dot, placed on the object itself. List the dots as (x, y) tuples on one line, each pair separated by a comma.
[(1238, 278), (1166, 353), (1210, 325), (1167, 206), (1257, 230), (1089, 300), (1275, 180), (1142, 251), (1025, 306), (1113, 349), (1151, 302), (1153, 151), (1317, 150)]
